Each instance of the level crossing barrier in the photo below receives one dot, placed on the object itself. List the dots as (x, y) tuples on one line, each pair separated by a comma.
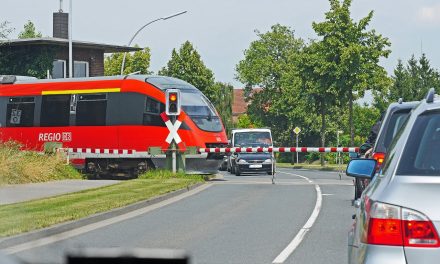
[(280, 149)]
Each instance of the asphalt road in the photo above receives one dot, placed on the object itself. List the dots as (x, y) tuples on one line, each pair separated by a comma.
[(243, 219)]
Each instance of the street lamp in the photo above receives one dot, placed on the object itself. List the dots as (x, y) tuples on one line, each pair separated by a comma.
[(137, 32)]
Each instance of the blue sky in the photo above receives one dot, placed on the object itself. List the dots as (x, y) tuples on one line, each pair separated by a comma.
[(221, 30)]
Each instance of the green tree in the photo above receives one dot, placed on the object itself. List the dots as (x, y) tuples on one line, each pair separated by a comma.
[(412, 82), (29, 61), (400, 86), (29, 31), (318, 85), (222, 97), (244, 121), (269, 63), (348, 57), (138, 61), (186, 64), (25, 60), (5, 30)]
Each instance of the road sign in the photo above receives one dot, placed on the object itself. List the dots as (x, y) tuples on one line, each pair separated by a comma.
[(297, 130)]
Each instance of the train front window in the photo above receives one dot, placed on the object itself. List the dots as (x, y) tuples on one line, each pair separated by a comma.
[(201, 111)]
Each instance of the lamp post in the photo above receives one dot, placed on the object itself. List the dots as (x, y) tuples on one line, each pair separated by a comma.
[(144, 26), (70, 39), (337, 142)]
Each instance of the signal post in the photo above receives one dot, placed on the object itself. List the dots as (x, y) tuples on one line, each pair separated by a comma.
[(175, 160)]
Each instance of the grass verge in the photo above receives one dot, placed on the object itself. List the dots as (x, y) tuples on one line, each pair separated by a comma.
[(328, 167), (19, 166), (27, 216)]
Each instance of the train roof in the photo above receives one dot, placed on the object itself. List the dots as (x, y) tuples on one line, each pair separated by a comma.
[(161, 82)]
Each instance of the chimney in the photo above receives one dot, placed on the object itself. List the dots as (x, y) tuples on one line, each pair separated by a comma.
[(61, 25)]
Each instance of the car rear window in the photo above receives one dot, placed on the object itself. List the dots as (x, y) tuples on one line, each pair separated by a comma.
[(392, 127), (421, 153)]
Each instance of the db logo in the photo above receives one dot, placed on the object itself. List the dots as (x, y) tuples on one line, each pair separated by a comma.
[(55, 137)]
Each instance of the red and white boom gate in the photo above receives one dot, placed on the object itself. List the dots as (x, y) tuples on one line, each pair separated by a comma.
[(279, 149)]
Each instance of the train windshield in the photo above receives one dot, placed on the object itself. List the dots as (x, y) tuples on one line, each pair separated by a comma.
[(201, 111)]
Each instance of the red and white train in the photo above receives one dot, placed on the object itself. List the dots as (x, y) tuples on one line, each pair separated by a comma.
[(108, 124)]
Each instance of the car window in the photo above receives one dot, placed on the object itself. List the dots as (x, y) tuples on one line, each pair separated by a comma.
[(392, 127), (252, 139), (420, 156)]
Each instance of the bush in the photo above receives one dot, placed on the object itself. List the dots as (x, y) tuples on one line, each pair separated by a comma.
[(21, 166)]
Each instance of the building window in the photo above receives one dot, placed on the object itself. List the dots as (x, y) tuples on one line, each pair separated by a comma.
[(81, 69), (91, 110), (59, 69), (20, 112), (55, 110)]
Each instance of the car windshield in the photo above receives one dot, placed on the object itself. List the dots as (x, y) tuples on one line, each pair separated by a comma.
[(420, 156), (392, 127), (200, 110), (252, 139)]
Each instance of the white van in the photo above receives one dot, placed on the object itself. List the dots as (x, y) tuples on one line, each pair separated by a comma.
[(251, 162)]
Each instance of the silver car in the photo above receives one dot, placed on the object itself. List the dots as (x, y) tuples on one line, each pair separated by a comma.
[(398, 216)]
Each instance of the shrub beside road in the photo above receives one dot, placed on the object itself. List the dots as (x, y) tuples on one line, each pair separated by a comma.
[(17, 166)]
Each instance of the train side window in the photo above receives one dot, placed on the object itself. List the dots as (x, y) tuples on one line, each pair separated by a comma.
[(55, 110), (153, 108), (20, 112), (91, 110)]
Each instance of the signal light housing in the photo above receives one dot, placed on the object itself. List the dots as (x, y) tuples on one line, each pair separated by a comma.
[(172, 105)]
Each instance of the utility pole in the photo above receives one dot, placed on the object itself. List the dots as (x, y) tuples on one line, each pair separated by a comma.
[(70, 41)]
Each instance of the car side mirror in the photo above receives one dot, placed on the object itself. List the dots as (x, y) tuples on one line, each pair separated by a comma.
[(361, 168)]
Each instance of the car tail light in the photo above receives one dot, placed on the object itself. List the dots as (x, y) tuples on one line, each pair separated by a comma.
[(418, 230), (384, 225), (380, 157), (396, 226)]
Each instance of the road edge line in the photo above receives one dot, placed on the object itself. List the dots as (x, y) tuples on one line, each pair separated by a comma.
[(284, 255), (150, 206)]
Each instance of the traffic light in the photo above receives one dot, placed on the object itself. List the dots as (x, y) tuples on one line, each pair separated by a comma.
[(172, 102)]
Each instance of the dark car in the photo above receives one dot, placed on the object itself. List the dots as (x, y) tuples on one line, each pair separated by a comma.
[(252, 162), (395, 116)]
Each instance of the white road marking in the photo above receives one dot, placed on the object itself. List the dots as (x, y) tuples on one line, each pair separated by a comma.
[(327, 194), (84, 229), (307, 226)]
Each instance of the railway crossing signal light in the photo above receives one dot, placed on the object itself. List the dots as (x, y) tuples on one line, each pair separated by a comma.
[(172, 102)]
